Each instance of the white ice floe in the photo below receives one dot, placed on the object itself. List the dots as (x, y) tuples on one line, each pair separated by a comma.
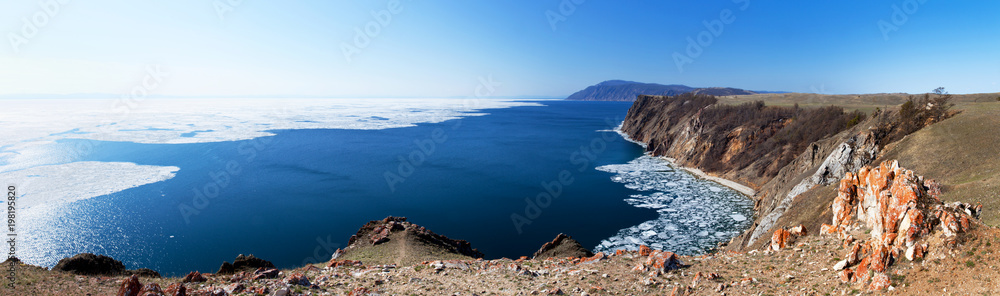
[(694, 214), (64, 183), (30, 125)]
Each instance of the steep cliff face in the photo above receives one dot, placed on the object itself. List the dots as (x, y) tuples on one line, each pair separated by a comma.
[(783, 153)]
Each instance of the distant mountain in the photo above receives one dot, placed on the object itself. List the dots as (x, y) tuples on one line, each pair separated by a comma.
[(627, 91)]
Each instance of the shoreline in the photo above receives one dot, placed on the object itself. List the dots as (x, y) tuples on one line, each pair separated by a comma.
[(745, 190)]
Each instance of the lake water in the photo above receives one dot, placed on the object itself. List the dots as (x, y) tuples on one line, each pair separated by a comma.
[(507, 182)]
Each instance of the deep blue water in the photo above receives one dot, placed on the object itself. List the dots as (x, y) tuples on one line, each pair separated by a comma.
[(294, 197)]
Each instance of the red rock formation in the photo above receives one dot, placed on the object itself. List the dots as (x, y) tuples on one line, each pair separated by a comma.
[(335, 263), (663, 261), (298, 279), (597, 257), (263, 273), (194, 277), (899, 208), (846, 274), (780, 239), (827, 229), (130, 287), (644, 250), (176, 289), (879, 281), (151, 289)]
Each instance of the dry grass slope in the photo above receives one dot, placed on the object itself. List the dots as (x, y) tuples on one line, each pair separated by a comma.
[(962, 152)]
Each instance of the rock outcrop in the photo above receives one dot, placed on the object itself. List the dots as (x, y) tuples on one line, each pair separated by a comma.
[(393, 240), (904, 215), (244, 263), (194, 277), (90, 264), (787, 155), (562, 246)]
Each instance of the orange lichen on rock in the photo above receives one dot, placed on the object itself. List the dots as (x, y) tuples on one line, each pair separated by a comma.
[(780, 239), (644, 250), (899, 208)]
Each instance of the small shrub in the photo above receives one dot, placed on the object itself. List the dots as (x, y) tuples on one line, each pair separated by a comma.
[(970, 264)]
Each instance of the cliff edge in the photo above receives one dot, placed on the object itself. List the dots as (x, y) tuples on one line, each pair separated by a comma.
[(788, 155)]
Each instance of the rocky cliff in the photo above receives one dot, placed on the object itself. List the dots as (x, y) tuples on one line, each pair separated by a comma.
[(784, 153), (393, 240)]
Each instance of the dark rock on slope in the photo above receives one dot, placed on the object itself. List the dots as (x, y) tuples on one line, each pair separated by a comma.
[(560, 247), (393, 240), (90, 264), (244, 263), (627, 91)]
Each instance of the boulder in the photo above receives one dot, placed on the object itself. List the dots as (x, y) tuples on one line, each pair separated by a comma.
[(176, 289), (244, 263), (644, 250), (130, 287), (90, 264), (597, 257), (263, 273), (879, 281), (663, 261), (194, 277), (562, 246), (780, 239), (840, 265), (235, 288), (335, 263), (151, 289), (845, 275), (298, 279), (827, 229), (798, 230)]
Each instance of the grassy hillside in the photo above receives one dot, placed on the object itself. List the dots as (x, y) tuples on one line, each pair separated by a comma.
[(962, 152), (864, 103)]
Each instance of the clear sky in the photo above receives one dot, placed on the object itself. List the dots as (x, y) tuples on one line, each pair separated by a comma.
[(530, 47)]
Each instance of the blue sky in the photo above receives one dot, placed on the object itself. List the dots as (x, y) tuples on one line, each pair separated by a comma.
[(445, 48)]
